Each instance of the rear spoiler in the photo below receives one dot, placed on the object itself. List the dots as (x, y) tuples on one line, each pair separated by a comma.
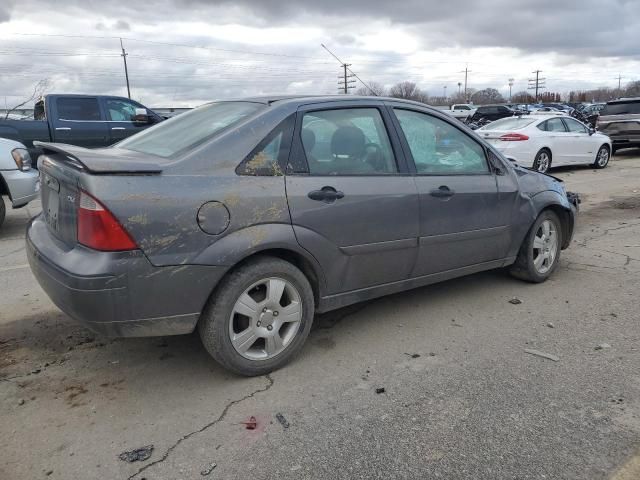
[(104, 160)]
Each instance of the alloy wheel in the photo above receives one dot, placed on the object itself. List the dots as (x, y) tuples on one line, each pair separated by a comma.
[(603, 157), (542, 163), (545, 247), (265, 319)]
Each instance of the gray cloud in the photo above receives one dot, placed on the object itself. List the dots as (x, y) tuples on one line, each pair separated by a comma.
[(581, 33)]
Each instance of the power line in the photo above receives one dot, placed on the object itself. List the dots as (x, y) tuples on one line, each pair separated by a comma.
[(346, 67)]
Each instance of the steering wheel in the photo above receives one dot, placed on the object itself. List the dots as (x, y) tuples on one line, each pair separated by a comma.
[(373, 158)]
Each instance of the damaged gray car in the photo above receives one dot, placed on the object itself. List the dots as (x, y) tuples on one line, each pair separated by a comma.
[(244, 218)]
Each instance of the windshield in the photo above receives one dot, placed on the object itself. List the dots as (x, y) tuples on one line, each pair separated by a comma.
[(190, 129), (511, 123)]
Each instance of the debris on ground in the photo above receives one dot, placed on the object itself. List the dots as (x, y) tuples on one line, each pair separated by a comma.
[(48, 473), (602, 346), (380, 390), (251, 424), (551, 325), (431, 354), (515, 301), (538, 353), (21, 401), (209, 469), (283, 421), (137, 455), (412, 355)]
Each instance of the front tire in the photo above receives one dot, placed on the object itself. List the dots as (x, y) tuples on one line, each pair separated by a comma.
[(542, 162), (3, 211), (602, 157), (259, 317), (540, 251)]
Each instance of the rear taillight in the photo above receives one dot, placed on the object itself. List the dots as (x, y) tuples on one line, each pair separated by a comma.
[(99, 229), (513, 137)]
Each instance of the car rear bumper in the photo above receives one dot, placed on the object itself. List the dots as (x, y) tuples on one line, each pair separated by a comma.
[(119, 293), (23, 186)]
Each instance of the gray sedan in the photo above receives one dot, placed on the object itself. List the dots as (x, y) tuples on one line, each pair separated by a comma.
[(244, 218)]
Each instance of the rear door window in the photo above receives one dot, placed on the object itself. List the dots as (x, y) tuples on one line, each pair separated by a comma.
[(552, 125), (575, 126), (349, 141), (81, 108)]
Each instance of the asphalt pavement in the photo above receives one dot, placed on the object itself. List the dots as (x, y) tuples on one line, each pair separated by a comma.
[(435, 383)]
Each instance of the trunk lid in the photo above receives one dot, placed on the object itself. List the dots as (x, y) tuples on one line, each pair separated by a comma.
[(62, 168)]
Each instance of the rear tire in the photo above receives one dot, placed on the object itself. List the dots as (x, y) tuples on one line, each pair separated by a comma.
[(259, 318), (539, 257), (542, 162), (602, 157)]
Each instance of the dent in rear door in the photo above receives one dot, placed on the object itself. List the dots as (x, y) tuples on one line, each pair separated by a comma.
[(360, 222)]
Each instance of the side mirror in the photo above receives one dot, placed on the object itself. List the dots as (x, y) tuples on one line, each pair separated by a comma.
[(141, 116), (592, 131)]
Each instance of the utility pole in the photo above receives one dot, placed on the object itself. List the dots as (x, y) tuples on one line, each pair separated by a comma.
[(445, 93), (126, 72), (537, 84), (346, 84), (620, 77), (346, 80), (466, 76), (511, 80), (459, 86)]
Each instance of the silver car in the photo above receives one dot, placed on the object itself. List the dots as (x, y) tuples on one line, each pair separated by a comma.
[(244, 218), (18, 182)]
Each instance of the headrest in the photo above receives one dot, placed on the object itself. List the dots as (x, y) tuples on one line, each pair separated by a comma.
[(348, 141), (308, 139)]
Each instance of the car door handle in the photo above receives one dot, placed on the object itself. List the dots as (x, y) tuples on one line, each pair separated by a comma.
[(62, 128), (117, 128), (442, 192), (326, 194)]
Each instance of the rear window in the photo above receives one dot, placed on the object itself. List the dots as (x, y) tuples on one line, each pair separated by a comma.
[(622, 108), (82, 109), (190, 129), (511, 123)]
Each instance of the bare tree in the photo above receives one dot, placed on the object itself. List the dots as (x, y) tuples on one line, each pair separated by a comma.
[(522, 97), (488, 95), (38, 91), (406, 90), (375, 88)]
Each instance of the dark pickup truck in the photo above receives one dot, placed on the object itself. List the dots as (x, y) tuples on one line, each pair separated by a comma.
[(85, 120)]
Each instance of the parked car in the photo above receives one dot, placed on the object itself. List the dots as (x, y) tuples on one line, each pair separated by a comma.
[(243, 218), (492, 112), (592, 108), (461, 111), (18, 182), (540, 141), (620, 120), (84, 120)]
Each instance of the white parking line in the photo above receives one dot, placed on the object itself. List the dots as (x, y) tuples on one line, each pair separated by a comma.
[(14, 267)]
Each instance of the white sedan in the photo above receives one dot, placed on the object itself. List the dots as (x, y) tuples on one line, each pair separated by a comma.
[(542, 141)]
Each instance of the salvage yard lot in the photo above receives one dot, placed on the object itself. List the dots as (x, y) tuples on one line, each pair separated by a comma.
[(461, 397)]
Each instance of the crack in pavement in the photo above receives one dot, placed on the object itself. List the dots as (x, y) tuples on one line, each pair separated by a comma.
[(205, 427), (583, 242)]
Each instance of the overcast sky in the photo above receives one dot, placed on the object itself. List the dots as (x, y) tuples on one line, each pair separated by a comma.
[(183, 53)]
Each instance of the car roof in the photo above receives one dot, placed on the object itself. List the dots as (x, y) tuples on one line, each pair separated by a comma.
[(311, 99), (624, 100)]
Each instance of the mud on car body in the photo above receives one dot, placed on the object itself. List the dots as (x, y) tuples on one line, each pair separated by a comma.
[(244, 218)]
